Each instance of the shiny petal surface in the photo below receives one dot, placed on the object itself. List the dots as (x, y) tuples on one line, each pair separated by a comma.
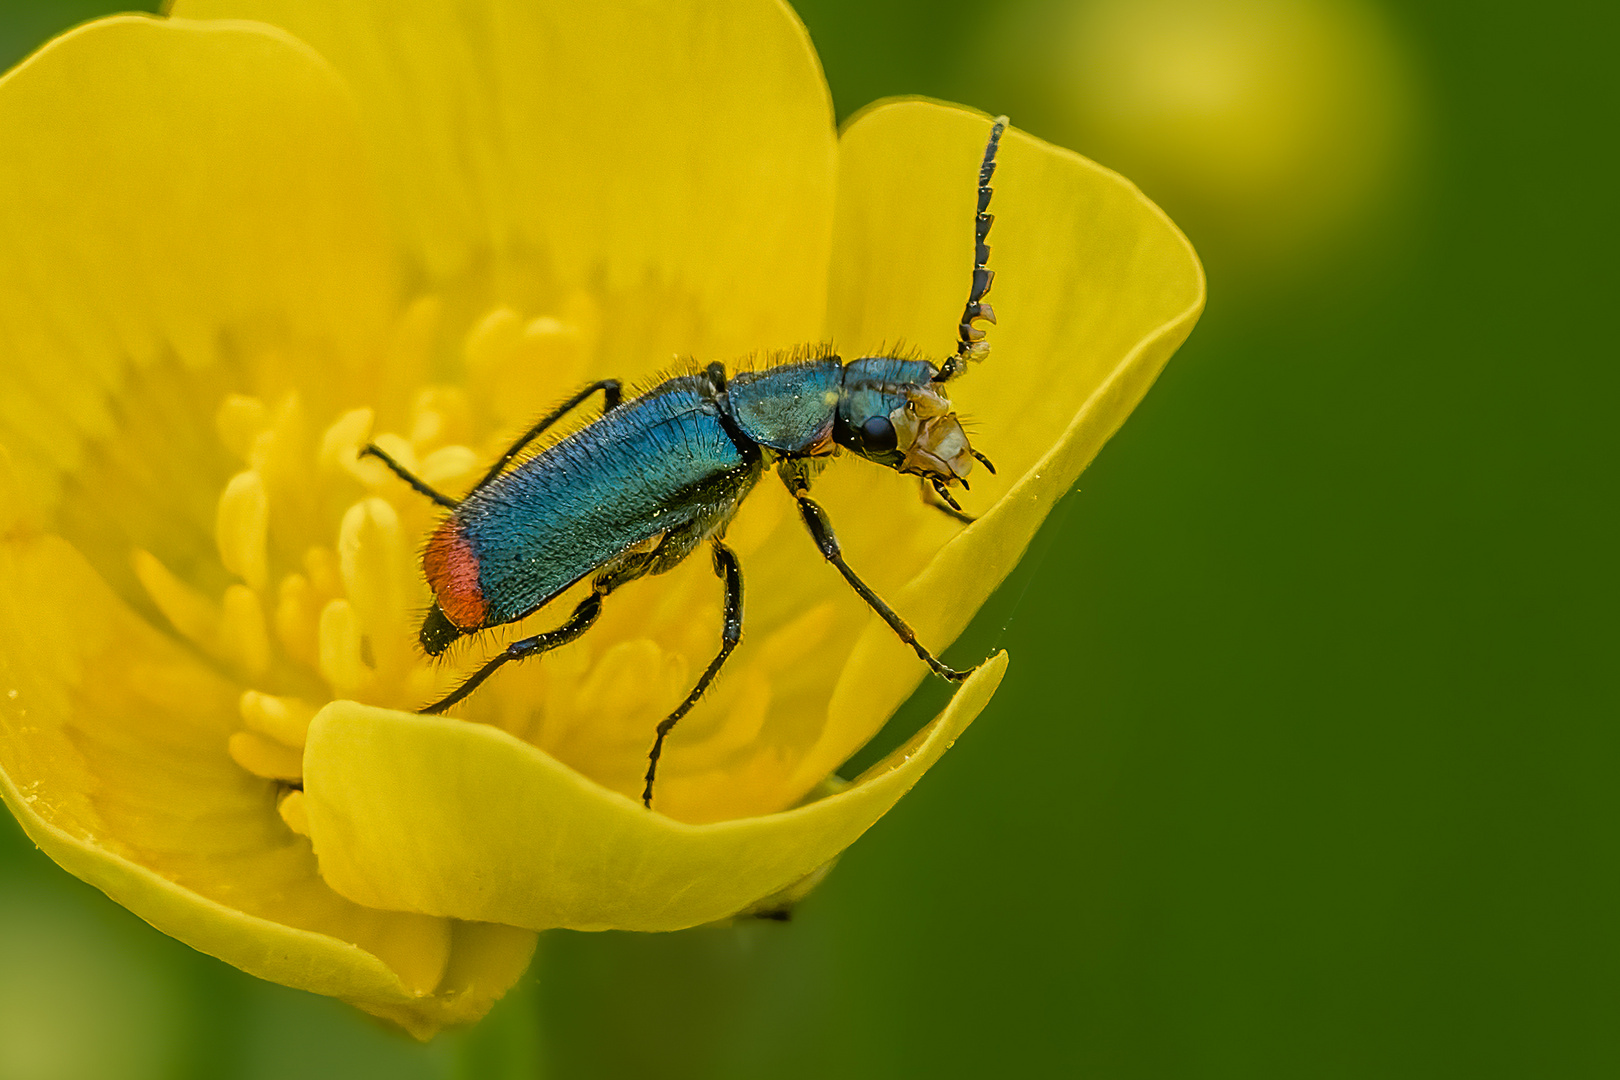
[(424, 814), (185, 210), (676, 158), (1095, 288), (175, 198), (112, 758)]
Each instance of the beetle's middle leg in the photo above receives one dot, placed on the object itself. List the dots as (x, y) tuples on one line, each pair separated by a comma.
[(727, 569)]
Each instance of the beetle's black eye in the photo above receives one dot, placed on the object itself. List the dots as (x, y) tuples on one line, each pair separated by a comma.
[(877, 435)]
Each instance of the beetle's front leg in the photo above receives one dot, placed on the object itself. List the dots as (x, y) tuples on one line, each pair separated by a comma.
[(934, 501), (728, 570), (815, 519)]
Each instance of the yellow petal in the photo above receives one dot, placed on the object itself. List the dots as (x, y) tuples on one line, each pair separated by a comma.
[(678, 157), (113, 756), (173, 197), (439, 816), (1095, 288)]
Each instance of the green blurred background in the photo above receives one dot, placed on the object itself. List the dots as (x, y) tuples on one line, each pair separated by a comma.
[(1306, 764)]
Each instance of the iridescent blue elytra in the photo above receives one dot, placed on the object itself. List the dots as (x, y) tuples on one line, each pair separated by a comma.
[(636, 491), (643, 469)]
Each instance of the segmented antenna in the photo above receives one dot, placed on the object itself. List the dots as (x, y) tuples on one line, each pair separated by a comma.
[(970, 336)]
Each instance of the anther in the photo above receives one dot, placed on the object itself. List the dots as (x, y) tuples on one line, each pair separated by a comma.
[(340, 637), (242, 632), (286, 720), (374, 560), (192, 614), (242, 525), (294, 812), (264, 757), (296, 615), (492, 340), (341, 443), (452, 467)]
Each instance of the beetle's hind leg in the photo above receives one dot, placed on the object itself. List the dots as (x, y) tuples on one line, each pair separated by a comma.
[(612, 394), (421, 486), (579, 622), (627, 569), (728, 570)]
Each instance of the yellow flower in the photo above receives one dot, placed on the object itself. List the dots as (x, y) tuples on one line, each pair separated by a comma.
[(232, 252)]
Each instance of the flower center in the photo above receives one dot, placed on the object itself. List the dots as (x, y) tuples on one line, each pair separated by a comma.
[(326, 591)]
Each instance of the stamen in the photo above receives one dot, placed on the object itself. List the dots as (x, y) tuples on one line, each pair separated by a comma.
[(517, 369), (280, 454), (242, 633), (294, 812), (341, 642), (491, 341), (284, 719), (549, 339), (375, 563), (265, 757), (321, 567), (297, 611), (241, 527), (449, 469), (440, 414), (191, 613), (375, 474), (341, 443)]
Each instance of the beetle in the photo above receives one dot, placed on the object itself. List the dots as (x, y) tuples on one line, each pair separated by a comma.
[(637, 490)]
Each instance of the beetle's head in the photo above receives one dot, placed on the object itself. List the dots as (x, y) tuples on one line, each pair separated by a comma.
[(894, 413)]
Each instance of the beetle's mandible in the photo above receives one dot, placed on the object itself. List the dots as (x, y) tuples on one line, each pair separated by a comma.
[(527, 532)]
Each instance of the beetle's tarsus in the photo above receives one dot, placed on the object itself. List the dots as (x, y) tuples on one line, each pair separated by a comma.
[(932, 500)]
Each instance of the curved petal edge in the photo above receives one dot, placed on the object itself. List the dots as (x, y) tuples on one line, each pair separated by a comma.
[(420, 813)]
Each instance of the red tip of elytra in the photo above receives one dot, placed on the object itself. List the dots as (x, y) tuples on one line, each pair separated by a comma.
[(451, 567)]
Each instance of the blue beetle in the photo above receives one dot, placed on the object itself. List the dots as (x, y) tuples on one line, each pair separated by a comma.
[(639, 489)]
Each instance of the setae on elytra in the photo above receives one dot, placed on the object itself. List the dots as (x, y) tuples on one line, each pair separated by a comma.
[(613, 501)]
